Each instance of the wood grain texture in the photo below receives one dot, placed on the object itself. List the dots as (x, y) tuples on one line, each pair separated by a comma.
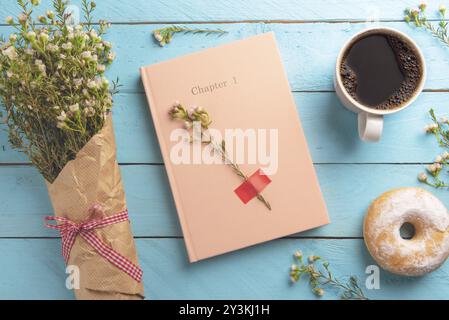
[(260, 272), (331, 132), (236, 10), (348, 191), (309, 51)]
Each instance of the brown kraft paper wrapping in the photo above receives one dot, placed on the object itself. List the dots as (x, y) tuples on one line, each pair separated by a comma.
[(94, 178)]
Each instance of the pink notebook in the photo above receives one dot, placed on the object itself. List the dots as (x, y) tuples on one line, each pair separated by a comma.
[(244, 88)]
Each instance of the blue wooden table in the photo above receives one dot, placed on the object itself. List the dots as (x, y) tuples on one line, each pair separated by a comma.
[(351, 173)]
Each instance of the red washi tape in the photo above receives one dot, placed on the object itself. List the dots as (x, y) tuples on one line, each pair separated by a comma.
[(249, 189)]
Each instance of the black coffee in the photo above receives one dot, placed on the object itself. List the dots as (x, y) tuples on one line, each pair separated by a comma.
[(381, 71)]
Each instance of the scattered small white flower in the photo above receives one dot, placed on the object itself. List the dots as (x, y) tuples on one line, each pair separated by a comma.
[(422, 177), (445, 155), (439, 159), (111, 56), (431, 127), (13, 37), (431, 168), (158, 37)]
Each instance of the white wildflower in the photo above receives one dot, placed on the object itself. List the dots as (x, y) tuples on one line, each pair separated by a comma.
[(29, 51), (12, 37), (9, 74), (60, 125), (89, 111), (445, 155), (9, 20), (431, 127), (86, 55), (431, 168), (438, 159), (10, 52), (52, 47), (50, 14), (78, 82), (74, 108), (43, 37), (158, 37), (67, 46), (62, 116), (22, 18), (31, 35), (93, 34), (92, 84), (107, 44), (101, 68)]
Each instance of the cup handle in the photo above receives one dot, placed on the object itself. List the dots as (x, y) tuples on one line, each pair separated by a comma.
[(370, 126)]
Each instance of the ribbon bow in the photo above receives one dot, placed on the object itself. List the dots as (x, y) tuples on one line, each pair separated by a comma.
[(69, 230)]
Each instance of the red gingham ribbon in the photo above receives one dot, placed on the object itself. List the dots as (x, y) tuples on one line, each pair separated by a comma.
[(70, 230)]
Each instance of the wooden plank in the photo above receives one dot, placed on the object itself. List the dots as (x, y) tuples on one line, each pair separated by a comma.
[(331, 132), (235, 10), (153, 213), (33, 269), (308, 51)]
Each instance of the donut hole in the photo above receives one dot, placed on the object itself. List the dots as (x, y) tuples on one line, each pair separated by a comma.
[(407, 231)]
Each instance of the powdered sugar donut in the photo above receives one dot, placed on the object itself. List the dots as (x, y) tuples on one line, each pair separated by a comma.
[(426, 250)]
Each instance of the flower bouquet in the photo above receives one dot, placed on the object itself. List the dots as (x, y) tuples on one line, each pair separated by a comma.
[(58, 112)]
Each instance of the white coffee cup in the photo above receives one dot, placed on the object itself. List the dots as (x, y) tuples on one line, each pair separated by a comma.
[(370, 120)]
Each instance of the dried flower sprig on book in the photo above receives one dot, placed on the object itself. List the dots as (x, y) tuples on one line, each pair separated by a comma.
[(164, 35), (52, 85), (419, 18), (319, 278), (440, 129), (199, 115)]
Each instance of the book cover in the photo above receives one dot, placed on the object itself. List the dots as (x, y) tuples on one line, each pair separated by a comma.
[(244, 88)]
